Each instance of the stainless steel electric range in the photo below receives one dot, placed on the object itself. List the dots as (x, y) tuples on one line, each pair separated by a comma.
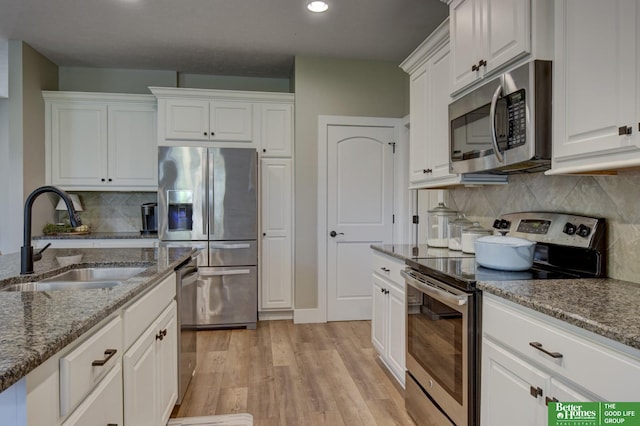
[(443, 310)]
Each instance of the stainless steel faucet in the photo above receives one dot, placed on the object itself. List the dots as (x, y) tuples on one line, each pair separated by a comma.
[(26, 251)]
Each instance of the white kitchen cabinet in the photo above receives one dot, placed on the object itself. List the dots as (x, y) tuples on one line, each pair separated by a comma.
[(518, 376), (276, 290), (388, 324), (150, 373), (276, 130), (100, 141), (596, 89), (429, 69), (512, 389), (103, 405), (208, 120), (487, 35)]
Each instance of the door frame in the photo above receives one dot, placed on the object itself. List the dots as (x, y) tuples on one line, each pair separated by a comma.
[(400, 169)]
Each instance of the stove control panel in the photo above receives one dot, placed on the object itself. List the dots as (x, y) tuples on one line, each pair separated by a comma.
[(553, 228)]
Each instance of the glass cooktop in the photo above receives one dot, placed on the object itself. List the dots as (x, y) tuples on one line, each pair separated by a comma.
[(465, 272)]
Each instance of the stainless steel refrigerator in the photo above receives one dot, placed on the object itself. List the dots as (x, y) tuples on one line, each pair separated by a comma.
[(207, 197)]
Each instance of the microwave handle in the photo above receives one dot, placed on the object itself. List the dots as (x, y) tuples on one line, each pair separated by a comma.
[(492, 119)]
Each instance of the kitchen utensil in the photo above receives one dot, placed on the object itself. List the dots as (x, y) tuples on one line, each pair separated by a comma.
[(504, 253), (437, 225)]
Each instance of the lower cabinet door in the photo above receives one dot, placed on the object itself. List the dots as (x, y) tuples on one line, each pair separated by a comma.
[(397, 329), (104, 405), (379, 322), (167, 363), (141, 381), (513, 391)]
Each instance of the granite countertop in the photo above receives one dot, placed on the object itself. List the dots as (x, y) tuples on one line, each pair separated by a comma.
[(36, 325), (604, 306), (98, 236)]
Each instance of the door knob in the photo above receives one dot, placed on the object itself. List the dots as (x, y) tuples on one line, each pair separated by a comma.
[(334, 233)]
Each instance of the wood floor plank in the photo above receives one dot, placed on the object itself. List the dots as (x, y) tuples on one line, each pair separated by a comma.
[(286, 374)]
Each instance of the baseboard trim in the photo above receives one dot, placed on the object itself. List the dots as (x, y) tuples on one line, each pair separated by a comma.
[(275, 315), (305, 316)]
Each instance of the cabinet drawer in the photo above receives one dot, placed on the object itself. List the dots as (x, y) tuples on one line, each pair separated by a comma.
[(597, 368), (81, 370), (388, 267), (142, 313), (104, 405)]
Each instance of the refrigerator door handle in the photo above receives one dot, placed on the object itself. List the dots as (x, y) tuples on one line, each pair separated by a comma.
[(210, 192), (205, 171), (212, 272), (230, 246)]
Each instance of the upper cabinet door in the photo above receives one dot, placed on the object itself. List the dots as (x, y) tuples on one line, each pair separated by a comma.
[(276, 134), (187, 119), (231, 121), (133, 154), (506, 31), (418, 116), (465, 26), (78, 144), (596, 92)]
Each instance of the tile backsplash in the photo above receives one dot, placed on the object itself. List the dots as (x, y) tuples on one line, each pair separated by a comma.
[(114, 211), (615, 198)]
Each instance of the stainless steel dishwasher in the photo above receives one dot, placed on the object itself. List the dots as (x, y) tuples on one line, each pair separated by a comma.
[(186, 295)]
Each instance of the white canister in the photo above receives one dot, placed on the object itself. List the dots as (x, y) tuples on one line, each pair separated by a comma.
[(470, 234)]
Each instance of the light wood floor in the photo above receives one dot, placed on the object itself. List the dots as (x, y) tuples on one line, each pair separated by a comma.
[(286, 374)]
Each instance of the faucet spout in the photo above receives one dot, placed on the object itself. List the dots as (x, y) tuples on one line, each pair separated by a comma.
[(26, 251)]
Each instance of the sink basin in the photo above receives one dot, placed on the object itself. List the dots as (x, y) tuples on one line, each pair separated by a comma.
[(95, 274), (79, 279)]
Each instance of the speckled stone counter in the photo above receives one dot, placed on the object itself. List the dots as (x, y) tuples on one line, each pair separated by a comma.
[(36, 325), (422, 251), (99, 236), (603, 306)]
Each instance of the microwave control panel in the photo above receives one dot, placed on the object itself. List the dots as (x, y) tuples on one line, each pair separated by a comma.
[(516, 119)]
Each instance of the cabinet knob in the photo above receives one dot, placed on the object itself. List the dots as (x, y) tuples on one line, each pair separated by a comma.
[(625, 130), (264, 150), (213, 133), (205, 133), (427, 171), (535, 391), (103, 180), (110, 180), (382, 290), (264, 234), (482, 63), (474, 67)]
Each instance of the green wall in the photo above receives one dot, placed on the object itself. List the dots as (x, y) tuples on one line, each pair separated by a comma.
[(329, 86)]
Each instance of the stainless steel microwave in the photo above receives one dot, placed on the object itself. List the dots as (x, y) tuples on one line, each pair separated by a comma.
[(504, 126)]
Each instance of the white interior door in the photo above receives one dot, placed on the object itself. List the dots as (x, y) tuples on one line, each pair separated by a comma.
[(359, 213)]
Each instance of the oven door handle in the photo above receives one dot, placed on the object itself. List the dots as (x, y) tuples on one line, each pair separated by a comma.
[(435, 292)]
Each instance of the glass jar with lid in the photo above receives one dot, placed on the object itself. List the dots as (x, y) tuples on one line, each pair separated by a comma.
[(470, 234), (455, 231), (438, 225)]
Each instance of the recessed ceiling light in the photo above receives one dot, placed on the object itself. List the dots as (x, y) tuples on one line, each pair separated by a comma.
[(317, 6)]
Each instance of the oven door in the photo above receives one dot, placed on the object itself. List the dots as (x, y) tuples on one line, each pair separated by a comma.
[(438, 339)]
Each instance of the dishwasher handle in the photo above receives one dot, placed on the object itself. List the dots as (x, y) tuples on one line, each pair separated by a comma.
[(434, 291)]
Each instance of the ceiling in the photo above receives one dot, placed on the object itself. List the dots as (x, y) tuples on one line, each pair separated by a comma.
[(257, 38)]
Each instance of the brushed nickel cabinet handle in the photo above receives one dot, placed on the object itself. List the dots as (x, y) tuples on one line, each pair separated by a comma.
[(539, 347), (109, 354)]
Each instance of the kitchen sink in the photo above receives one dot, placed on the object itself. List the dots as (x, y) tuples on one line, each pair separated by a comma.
[(79, 279), (95, 274)]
